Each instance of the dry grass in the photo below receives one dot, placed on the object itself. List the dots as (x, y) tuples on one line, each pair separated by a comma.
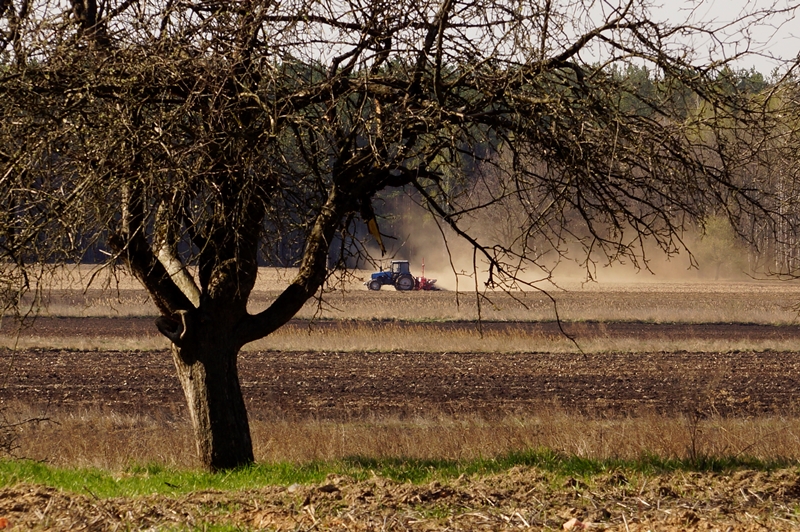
[(85, 343), (389, 337), (355, 336), (113, 441), (466, 439)]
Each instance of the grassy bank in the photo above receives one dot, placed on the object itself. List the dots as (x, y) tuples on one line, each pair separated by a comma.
[(138, 480)]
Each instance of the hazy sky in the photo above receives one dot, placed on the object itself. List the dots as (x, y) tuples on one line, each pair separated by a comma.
[(778, 35)]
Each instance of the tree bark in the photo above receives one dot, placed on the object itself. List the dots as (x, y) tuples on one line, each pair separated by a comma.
[(206, 362)]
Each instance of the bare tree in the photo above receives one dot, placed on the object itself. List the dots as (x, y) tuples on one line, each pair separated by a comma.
[(774, 248), (195, 133)]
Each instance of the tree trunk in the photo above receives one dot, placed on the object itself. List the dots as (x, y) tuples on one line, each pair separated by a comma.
[(210, 380)]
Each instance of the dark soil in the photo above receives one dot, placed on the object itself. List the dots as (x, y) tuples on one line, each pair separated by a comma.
[(347, 385)]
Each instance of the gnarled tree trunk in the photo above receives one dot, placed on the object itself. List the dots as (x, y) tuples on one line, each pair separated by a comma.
[(206, 363)]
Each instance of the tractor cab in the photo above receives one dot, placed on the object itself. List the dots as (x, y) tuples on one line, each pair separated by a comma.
[(400, 266)]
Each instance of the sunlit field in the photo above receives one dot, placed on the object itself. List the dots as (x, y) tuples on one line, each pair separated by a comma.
[(388, 320), (349, 318), (756, 301), (632, 372)]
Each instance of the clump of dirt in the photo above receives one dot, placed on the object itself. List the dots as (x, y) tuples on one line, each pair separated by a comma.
[(520, 498)]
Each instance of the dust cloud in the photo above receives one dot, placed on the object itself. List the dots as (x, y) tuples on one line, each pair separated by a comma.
[(449, 258)]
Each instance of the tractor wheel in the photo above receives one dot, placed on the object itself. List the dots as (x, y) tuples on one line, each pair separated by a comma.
[(374, 285), (404, 282)]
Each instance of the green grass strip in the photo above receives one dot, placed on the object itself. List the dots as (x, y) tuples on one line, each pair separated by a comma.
[(140, 480)]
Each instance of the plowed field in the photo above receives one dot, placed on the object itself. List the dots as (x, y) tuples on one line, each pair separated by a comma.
[(353, 385), (343, 385)]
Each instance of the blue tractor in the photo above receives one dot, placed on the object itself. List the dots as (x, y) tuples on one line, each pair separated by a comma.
[(399, 276)]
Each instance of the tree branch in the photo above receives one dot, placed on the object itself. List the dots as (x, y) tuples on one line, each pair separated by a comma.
[(131, 243), (165, 244), (311, 276)]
